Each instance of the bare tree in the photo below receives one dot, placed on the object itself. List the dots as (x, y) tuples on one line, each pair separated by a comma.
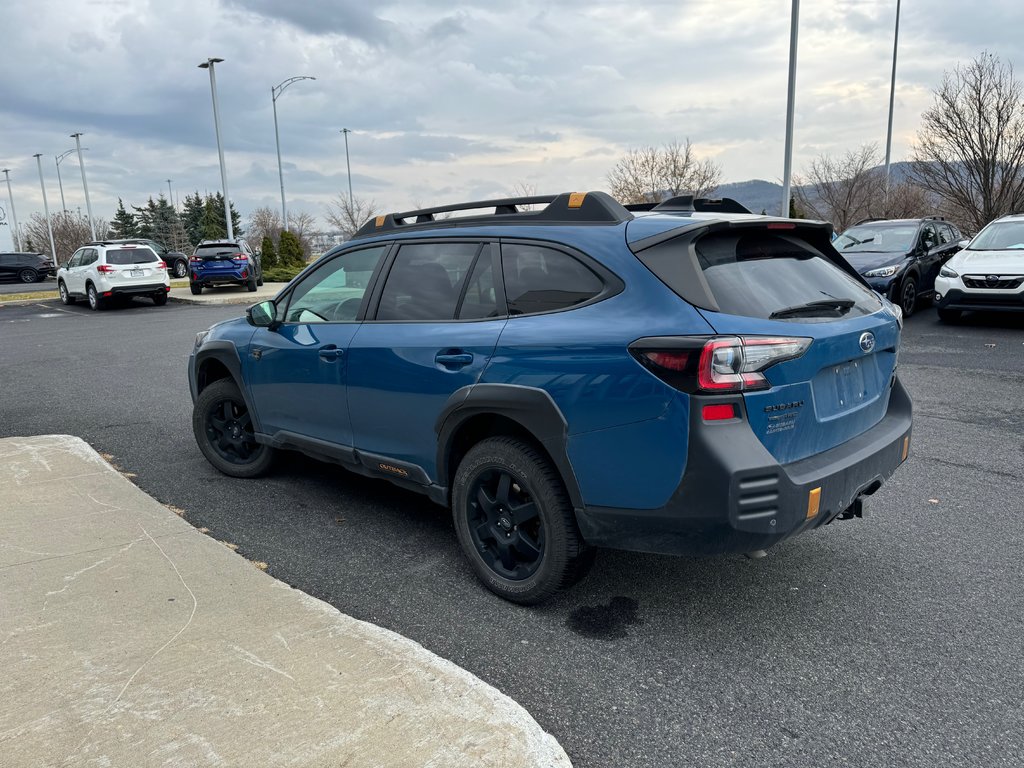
[(843, 189), (70, 232), (264, 222), (650, 174), (349, 215), (302, 225), (970, 147), (524, 189)]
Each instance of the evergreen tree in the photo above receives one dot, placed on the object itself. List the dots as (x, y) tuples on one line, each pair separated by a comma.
[(124, 224), (291, 254), (794, 209), (212, 224), (192, 217), (268, 254)]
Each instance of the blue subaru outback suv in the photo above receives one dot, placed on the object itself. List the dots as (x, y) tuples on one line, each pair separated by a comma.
[(683, 378)]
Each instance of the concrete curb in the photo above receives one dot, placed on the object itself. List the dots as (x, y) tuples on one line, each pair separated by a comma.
[(220, 296), (129, 638)]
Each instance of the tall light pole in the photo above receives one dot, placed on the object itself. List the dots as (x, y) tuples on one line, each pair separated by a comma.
[(892, 99), (346, 132), (14, 217), (59, 159), (274, 93), (787, 173), (81, 164), (170, 195), (46, 207), (208, 64)]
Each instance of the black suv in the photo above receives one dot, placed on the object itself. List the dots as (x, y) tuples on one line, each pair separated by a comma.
[(176, 261), (900, 258), (26, 267)]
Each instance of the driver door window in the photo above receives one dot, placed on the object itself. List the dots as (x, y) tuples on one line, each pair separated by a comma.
[(335, 292)]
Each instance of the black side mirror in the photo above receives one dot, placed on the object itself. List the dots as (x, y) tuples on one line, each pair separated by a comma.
[(263, 315)]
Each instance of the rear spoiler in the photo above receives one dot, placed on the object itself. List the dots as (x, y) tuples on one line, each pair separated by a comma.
[(690, 204)]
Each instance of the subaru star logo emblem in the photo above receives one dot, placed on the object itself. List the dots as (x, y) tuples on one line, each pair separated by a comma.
[(867, 341)]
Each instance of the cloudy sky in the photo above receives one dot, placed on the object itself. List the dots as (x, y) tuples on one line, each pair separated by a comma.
[(455, 100)]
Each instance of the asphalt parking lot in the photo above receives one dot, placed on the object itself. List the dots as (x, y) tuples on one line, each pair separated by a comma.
[(893, 641), (16, 286)]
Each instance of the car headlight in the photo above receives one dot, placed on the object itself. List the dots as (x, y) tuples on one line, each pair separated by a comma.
[(947, 272), (200, 338), (882, 272)]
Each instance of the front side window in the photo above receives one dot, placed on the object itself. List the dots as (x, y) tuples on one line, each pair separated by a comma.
[(540, 279), (425, 281), (481, 296), (334, 293), (928, 237)]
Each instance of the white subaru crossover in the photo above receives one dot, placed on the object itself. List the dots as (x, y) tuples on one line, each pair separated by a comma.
[(101, 271), (987, 275)]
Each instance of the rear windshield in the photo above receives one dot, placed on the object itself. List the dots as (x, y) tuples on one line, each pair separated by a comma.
[(224, 249), (763, 274), (131, 256)]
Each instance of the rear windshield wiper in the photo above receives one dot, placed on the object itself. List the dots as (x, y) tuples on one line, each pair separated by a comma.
[(839, 306)]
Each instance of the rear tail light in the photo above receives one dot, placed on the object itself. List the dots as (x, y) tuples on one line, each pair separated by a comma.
[(161, 265), (719, 412), (717, 365), (241, 257), (194, 259), (105, 268)]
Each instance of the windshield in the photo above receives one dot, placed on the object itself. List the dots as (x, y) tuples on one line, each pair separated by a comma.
[(874, 238), (1000, 236)]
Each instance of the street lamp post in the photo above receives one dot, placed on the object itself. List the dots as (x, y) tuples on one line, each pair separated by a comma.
[(346, 132), (60, 158), (14, 217), (892, 99), (209, 64), (46, 207), (170, 194), (81, 164), (274, 93), (787, 172)]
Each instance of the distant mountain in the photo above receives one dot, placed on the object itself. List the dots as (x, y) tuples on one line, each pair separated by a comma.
[(760, 195)]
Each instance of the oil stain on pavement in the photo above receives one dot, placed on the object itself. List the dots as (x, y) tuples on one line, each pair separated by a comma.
[(605, 622)]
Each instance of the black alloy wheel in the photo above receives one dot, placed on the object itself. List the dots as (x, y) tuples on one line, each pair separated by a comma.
[(908, 296), (505, 525), (224, 431), (28, 276), (515, 521)]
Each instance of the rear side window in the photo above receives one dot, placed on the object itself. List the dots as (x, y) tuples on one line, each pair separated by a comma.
[(425, 281), (131, 256), (539, 279), (761, 274)]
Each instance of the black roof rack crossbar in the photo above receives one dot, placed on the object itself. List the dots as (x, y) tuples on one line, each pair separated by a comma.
[(567, 208), (690, 204)]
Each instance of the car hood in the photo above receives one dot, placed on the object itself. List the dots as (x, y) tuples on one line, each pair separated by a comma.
[(865, 262), (989, 262)]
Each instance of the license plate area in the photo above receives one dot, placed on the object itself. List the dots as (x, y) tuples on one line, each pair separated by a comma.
[(844, 387)]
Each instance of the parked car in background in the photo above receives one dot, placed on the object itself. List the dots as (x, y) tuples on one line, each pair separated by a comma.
[(687, 379), (987, 275), (106, 270), (25, 267), (900, 258), (224, 262), (176, 261)]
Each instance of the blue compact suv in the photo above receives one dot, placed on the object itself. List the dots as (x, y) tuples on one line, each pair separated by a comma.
[(222, 262), (683, 378)]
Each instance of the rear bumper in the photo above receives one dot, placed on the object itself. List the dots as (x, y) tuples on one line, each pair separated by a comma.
[(136, 290), (988, 301), (734, 497)]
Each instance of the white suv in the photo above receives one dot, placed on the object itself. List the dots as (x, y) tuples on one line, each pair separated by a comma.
[(987, 275), (103, 270)]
